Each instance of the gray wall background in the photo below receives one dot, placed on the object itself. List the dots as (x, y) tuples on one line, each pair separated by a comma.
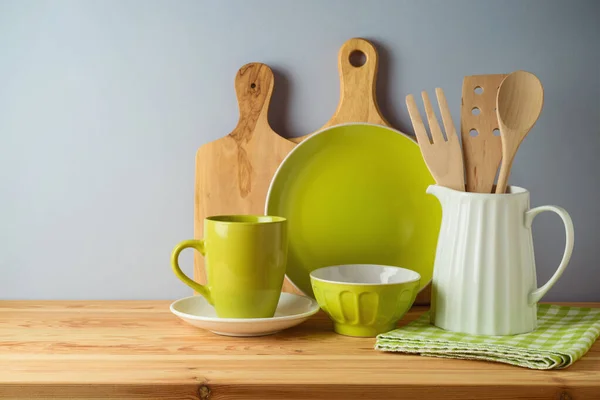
[(104, 103)]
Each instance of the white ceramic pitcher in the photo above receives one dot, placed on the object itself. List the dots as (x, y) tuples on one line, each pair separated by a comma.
[(484, 279)]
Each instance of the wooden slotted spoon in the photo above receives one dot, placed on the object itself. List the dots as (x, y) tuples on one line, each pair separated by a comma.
[(481, 143)]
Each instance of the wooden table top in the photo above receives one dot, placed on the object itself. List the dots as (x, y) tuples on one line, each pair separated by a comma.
[(139, 350)]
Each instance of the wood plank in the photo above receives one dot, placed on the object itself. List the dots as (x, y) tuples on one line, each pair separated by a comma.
[(139, 350), (319, 392)]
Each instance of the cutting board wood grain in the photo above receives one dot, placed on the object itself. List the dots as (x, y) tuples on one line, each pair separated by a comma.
[(233, 173), (358, 98)]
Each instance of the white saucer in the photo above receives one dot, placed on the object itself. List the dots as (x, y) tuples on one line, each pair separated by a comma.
[(291, 311)]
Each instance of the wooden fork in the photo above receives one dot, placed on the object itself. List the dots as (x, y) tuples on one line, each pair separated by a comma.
[(443, 157)]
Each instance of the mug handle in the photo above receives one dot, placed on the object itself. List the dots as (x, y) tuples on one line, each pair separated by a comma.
[(537, 294), (198, 245)]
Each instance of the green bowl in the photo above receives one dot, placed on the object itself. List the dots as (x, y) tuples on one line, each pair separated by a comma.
[(364, 300)]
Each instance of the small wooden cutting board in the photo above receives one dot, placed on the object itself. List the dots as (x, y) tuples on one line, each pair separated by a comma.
[(233, 173)]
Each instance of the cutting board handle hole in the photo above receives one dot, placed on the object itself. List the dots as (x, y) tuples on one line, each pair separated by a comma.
[(357, 58), (253, 85), (475, 111), (478, 90), (496, 132), (473, 132)]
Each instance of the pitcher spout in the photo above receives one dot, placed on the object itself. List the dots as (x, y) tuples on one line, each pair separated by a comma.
[(441, 192)]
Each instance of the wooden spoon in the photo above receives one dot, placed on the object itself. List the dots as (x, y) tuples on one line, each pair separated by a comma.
[(518, 105)]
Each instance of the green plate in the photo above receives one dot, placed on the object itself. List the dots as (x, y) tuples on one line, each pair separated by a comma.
[(355, 194)]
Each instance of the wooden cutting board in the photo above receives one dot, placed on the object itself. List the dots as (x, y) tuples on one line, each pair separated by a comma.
[(233, 173), (358, 98)]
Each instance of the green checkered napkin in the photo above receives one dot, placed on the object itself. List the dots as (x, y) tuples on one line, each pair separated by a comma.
[(564, 335)]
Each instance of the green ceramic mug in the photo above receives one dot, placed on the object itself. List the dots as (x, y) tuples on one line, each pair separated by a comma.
[(245, 259)]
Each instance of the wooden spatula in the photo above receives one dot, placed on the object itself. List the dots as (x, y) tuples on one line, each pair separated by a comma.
[(481, 143), (233, 173)]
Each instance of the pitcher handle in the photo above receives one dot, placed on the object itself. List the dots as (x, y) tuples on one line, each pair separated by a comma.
[(537, 294)]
